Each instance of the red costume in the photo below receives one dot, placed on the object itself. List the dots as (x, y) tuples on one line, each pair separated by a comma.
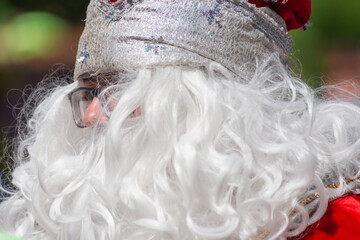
[(341, 221)]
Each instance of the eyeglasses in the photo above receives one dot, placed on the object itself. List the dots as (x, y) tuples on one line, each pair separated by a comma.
[(81, 98)]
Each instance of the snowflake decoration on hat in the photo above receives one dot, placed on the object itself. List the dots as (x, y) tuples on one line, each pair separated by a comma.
[(214, 15), (155, 45), (115, 9), (84, 55)]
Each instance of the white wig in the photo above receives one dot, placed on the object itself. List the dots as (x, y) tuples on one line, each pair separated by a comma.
[(211, 156)]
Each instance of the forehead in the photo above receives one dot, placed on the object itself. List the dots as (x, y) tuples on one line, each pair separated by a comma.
[(90, 79)]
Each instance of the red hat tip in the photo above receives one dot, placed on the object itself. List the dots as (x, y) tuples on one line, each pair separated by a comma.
[(296, 13)]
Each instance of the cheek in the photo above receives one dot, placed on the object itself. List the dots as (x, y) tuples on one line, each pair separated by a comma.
[(112, 104)]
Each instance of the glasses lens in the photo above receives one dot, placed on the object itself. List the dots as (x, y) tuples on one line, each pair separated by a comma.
[(109, 98), (108, 93), (80, 101)]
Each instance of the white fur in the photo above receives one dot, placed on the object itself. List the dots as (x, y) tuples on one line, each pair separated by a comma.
[(210, 157)]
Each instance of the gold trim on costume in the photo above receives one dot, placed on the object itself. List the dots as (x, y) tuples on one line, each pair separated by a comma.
[(311, 199)]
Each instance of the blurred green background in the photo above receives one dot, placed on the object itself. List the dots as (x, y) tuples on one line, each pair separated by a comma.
[(37, 35)]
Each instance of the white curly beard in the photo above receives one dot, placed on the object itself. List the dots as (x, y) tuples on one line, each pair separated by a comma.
[(210, 157)]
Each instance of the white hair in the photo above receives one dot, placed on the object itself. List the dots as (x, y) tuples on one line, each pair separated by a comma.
[(211, 156)]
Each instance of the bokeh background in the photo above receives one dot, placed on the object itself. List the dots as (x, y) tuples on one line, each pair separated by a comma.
[(36, 36)]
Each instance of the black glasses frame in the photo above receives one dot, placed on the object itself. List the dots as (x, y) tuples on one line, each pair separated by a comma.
[(94, 92)]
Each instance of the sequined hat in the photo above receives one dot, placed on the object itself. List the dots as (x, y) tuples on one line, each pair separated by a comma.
[(143, 33)]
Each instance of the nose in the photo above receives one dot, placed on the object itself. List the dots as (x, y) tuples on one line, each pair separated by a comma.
[(94, 114)]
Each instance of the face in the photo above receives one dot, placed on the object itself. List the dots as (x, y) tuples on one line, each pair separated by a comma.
[(95, 98)]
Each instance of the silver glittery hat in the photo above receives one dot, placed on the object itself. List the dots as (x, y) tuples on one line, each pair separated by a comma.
[(143, 33)]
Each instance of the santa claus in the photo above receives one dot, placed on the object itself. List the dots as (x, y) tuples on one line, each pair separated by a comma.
[(184, 122)]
